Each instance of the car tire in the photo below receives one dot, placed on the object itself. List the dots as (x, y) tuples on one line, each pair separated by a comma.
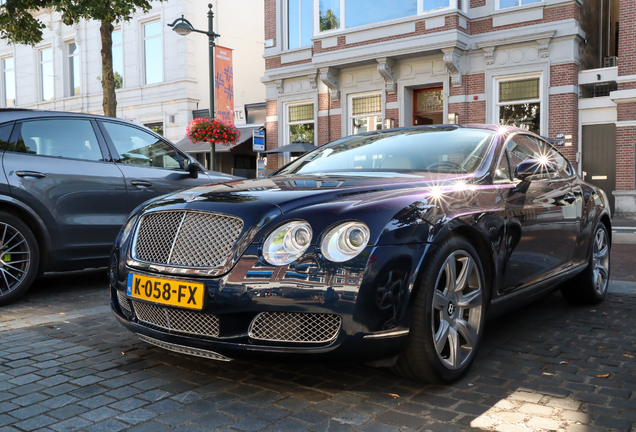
[(453, 313), (590, 286), (19, 258)]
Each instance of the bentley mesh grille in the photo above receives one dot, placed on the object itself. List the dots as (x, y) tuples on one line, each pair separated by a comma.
[(177, 320), (123, 302), (184, 238), (295, 327)]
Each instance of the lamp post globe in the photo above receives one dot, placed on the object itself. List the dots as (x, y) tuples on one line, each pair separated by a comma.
[(182, 29)]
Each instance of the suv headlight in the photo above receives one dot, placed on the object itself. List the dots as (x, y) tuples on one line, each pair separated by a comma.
[(287, 243), (345, 241)]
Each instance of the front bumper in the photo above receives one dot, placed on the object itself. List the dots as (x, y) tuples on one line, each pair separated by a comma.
[(374, 321)]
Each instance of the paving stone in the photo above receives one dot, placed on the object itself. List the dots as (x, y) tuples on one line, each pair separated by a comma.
[(72, 424), (110, 425), (137, 416), (544, 423)]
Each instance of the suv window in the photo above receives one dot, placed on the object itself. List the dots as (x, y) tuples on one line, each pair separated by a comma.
[(74, 139), (138, 147), (5, 134)]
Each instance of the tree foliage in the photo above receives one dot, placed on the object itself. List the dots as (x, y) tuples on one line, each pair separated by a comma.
[(18, 25)]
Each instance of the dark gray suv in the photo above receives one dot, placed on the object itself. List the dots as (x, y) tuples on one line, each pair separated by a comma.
[(69, 183)]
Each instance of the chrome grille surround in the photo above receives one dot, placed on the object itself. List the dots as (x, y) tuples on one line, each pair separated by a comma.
[(183, 349), (176, 320), (295, 327), (124, 304), (184, 238)]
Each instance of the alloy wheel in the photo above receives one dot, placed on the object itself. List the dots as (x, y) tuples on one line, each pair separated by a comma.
[(600, 262), (15, 258), (457, 309)]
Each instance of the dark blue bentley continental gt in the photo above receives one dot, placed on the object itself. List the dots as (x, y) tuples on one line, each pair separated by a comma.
[(389, 247)]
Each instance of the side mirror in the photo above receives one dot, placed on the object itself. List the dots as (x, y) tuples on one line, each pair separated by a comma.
[(530, 167), (193, 170)]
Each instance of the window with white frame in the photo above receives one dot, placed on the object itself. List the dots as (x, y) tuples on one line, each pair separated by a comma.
[(74, 77), (365, 113), (504, 4), (345, 14), (8, 81), (518, 102), (118, 59), (299, 27), (47, 77), (153, 53), (300, 123)]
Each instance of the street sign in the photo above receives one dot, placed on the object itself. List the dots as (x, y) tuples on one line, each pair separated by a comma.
[(560, 136), (258, 140)]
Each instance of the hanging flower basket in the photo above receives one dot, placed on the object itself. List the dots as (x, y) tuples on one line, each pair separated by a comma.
[(212, 131)]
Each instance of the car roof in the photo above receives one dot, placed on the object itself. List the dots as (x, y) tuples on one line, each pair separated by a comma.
[(13, 114)]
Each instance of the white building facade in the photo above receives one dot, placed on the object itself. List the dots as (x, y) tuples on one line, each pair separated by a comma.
[(163, 77)]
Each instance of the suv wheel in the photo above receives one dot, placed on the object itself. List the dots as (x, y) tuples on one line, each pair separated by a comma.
[(19, 258)]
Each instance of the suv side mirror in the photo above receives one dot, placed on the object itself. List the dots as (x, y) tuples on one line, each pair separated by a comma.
[(193, 169), (530, 167)]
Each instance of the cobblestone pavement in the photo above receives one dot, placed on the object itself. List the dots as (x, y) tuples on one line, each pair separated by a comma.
[(65, 364)]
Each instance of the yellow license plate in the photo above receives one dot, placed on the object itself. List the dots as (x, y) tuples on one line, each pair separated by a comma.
[(171, 292)]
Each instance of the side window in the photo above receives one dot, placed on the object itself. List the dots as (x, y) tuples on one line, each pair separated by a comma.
[(5, 134), (73, 139), (563, 166), (138, 147), (502, 173), (520, 148)]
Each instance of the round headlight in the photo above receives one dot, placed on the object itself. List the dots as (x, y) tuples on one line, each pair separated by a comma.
[(287, 243), (345, 241)]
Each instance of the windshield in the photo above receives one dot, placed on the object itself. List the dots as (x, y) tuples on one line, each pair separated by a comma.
[(448, 150)]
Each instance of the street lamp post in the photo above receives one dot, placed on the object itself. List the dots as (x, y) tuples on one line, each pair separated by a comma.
[(183, 27)]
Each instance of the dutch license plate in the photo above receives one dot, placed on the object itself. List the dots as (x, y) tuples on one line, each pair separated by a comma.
[(166, 291)]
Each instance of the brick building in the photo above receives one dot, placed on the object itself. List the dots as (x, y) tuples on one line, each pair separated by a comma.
[(339, 67)]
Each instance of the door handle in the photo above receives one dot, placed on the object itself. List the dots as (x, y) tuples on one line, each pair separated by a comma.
[(30, 174), (568, 197), (141, 184)]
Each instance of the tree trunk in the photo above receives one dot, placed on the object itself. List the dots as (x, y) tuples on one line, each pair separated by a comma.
[(108, 78)]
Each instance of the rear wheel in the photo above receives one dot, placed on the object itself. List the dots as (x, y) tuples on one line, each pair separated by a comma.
[(447, 317), (590, 286), (18, 258)]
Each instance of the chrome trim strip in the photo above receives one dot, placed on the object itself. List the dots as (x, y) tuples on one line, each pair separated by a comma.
[(390, 334), (184, 349), (176, 235)]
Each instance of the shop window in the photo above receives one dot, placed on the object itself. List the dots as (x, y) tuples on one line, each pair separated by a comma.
[(300, 122), (366, 113), (503, 4), (118, 59), (299, 27), (155, 127), (8, 81), (345, 14), (519, 103), (153, 53), (47, 77), (74, 76), (428, 106), (255, 113)]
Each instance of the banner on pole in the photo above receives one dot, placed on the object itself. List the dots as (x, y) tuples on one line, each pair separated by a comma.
[(223, 84)]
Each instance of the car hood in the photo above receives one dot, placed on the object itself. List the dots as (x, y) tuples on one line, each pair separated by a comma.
[(288, 193)]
